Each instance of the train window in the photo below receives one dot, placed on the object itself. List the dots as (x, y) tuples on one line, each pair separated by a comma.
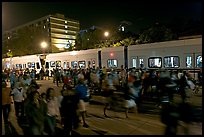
[(74, 64), (199, 61), (38, 65), (93, 63), (141, 61), (47, 65), (29, 64), (89, 63), (52, 63), (58, 63), (112, 63), (82, 64), (189, 62), (33, 64), (134, 62), (66, 65), (171, 62), (154, 62), (20, 66), (17, 65)]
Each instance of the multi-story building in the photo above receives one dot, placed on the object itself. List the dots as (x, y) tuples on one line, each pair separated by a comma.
[(59, 34)]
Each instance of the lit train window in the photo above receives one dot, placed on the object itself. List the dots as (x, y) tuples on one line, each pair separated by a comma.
[(112, 63), (93, 62), (66, 65), (58, 63), (134, 62), (29, 64), (199, 61), (171, 62), (154, 62), (52, 63), (189, 62), (141, 61), (33, 64), (20, 66), (17, 66), (74, 64), (82, 64)]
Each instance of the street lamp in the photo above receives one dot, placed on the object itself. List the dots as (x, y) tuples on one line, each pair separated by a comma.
[(106, 34), (43, 45)]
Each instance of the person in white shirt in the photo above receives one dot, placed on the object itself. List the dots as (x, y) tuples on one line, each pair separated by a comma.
[(19, 95), (53, 113)]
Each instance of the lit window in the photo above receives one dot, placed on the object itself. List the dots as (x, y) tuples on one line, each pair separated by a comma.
[(199, 61), (112, 63), (171, 62), (66, 31), (74, 64), (66, 26), (65, 21), (154, 62), (47, 19), (44, 26), (189, 62), (82, 64), (134, 62), (141, 61), (123, 28)]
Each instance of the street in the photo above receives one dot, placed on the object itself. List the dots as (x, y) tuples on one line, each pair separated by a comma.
[(145, 123)]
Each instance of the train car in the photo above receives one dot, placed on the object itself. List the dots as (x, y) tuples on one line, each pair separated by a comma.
[(178, 54)]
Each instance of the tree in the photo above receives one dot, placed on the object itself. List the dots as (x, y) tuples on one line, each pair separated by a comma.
[(156, 33)]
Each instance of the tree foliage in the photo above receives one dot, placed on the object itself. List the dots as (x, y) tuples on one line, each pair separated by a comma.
[(156, 33)]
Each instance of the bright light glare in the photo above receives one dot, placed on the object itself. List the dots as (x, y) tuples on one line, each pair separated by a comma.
[(43, 44), (106, 34)]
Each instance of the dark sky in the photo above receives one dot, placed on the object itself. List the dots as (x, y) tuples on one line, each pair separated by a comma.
[(105, 14)]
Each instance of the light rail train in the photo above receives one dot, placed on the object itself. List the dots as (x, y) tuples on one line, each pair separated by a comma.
[(177, 54)]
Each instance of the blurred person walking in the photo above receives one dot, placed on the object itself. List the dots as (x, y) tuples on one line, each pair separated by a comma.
[(36, 111), (6, 101), (53, 113), (82, 91), (69, 107)]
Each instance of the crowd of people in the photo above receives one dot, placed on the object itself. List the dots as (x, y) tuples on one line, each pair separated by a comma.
[(44, 110)]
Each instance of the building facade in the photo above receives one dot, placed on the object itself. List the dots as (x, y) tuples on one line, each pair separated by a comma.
[(59, 34)]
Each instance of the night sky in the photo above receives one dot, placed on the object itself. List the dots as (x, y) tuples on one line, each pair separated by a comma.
[(105, 14)]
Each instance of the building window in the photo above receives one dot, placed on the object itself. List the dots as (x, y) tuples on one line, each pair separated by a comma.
[(154, 62), (112, 63), (171, 62), (66, 31), (65, 21), (65, 26), (44, 27)]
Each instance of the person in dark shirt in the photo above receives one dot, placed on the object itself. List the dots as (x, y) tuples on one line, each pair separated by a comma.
[(69, 106)]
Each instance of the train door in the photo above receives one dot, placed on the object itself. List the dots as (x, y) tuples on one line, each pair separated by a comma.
[(137, 62)]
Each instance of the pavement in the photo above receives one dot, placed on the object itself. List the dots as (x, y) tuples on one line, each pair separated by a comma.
[(146, 123)]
